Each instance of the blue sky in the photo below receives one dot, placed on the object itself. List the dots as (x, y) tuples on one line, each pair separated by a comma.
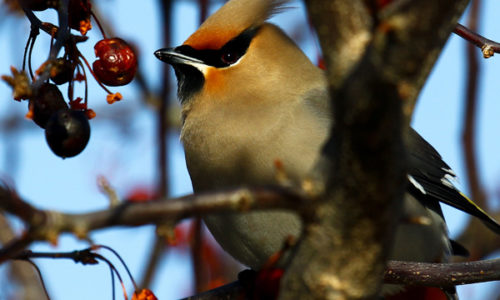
[(126, 154)]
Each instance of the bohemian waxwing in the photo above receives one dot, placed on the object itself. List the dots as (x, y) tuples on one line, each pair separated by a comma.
[(250, 97)]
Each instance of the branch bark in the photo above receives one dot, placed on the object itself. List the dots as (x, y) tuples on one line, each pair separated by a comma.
[(345, 244), (398, 272), (487, 46), (48, 225)]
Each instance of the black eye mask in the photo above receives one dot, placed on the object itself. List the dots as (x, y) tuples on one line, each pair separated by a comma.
[(227, 55)]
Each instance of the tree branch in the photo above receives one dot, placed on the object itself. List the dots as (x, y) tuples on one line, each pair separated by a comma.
[(20, 273), (487, 46), (473, 71), (49, 224), (398, 272), (442, 275), (363, 162)]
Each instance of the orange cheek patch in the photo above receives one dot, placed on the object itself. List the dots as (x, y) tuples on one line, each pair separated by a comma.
[(214, 81)]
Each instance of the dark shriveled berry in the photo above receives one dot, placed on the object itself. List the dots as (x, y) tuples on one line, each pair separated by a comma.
[(78, 11), (117, 62), (45, 103), (67, 132), (62, 71), (40, 5)]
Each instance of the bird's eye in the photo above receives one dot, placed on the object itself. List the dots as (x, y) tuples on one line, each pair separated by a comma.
[(229, 58)]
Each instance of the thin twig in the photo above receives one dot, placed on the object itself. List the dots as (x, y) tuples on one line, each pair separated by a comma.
[(487, 46), (196, 247), (163, 124), (196, 242), (85, 257), (471, 98), (163, 128), (157, 251), (62, 33)]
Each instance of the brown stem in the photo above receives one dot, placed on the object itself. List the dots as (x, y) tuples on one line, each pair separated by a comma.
[(471, 99), (199, 266), (486, 45), (163, 124), (157, 251), (162, 142), (442, 275)]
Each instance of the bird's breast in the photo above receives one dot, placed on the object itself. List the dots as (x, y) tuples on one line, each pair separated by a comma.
[(233, 146)]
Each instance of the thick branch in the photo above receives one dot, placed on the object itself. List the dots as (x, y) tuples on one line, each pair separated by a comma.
[(363, 162), (412, 37), (442, 275), (399, 272), (346, 41), (51, 223)]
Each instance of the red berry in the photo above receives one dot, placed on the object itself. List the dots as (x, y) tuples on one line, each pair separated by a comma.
[(116, 64), (67, 132), (45, 103)]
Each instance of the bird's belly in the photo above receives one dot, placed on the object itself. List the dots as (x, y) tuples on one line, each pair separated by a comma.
[(253, 237)]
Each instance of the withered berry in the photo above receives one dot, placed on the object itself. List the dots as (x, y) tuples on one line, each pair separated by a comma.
[(45, 103), (39, 5), (67, 132), (79, 15), (116, 64), (61, 71)]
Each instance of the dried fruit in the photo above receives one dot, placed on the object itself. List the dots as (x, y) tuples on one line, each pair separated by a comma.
[(116, 64), (39, 5), (79, 12), (61, 71), (67, 132), (47, 101)]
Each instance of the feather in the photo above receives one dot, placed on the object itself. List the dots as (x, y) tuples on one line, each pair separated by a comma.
[(433, 174), (232, 19)]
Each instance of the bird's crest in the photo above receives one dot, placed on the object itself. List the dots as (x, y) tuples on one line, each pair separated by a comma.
[(232, 19)]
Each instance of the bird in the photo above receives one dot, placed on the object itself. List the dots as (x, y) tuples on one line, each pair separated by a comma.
[(251, 97)]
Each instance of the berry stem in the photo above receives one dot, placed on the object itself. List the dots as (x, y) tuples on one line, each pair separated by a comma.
[(123, 263), (92, 72), (51, 42), (26, 53), (99, 25), (34, 34), (112, 283), (86, 83), (104, 259), (70, 90)]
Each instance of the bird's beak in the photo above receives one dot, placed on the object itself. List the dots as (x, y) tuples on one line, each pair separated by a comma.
[(172, 57)]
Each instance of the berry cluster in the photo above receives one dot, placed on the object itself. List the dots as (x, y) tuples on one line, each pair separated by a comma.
[(66, 123)]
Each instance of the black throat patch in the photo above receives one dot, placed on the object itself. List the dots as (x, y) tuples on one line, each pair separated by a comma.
[(190, 80)]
